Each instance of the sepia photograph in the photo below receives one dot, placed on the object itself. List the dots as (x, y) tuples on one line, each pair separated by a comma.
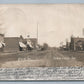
[(41, 35)]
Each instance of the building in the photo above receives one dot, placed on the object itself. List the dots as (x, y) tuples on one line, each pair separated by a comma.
[(1, 37), (2, 42), (12, 43), (67, 45), (34, 42), (77, 44)]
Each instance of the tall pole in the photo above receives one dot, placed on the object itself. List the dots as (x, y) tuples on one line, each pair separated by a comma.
[(83, 31), (37, 32)]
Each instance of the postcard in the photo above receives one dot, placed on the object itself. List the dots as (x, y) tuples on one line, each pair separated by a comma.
[(41, 42)]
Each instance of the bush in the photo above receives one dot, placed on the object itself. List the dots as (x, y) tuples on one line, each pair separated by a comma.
[(45, 46)]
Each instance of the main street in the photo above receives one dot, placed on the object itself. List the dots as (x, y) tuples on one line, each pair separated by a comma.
[(47, 58)]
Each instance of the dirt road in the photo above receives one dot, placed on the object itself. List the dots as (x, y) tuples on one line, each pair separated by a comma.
[(64, 60), (48, 58)]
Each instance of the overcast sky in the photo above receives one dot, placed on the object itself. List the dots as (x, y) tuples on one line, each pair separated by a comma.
[(56, 22)]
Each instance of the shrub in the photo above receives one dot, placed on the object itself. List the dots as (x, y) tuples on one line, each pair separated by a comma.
[(45, 46)]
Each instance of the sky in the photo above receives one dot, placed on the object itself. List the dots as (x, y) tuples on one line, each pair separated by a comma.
[(56, 22)]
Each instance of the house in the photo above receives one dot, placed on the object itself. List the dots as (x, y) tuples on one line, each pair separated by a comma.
[(77, 44)]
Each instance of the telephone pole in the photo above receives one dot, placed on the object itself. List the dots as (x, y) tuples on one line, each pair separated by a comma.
[(83, 31), (37, 32)]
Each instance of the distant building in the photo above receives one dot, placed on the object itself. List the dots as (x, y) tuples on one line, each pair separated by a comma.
[(2, 44), (67, 45), (1, 37), (63, 47), (77, 44)]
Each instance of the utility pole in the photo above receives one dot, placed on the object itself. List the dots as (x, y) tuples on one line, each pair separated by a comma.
[(37, 32), (83, 31)]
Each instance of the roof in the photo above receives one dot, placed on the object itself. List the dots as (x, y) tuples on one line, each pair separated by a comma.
[(78, 39), (11, 37)]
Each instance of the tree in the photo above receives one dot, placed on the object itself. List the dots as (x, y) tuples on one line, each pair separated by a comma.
[(45, 46)]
